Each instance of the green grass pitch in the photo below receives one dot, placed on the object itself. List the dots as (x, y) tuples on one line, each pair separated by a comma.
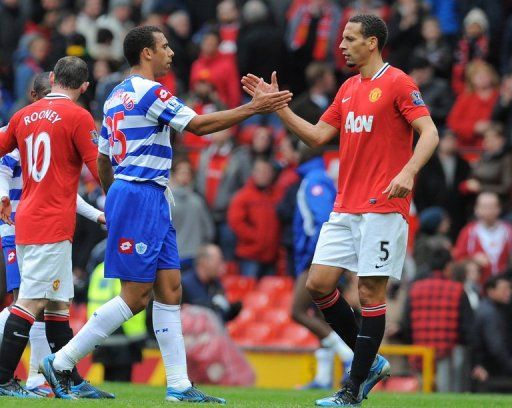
[(138, 396)]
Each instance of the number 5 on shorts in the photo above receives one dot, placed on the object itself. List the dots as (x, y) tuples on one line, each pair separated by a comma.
[(384, 250)]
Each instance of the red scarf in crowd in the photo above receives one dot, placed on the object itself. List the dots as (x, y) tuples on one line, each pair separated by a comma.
[(321, 46)]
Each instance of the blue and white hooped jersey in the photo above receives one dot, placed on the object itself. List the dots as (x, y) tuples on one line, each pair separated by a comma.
[(10, 168), (137, 117)]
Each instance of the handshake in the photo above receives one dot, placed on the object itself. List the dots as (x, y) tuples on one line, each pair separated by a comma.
[(266, 97)]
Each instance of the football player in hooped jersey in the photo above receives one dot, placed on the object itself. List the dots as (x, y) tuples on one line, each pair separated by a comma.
[(374, 113), (54, 139), (134, 163)]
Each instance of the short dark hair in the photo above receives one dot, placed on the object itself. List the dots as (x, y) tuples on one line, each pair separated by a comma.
[(493, 281), (372, 26), (316, 70), (71, 72), (136, 40), (41, 84)]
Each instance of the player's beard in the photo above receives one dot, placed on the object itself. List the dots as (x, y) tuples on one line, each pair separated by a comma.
[(351, 64)]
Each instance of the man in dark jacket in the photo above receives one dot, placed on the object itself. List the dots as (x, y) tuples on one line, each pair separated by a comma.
[(203, 287), (492, 339), (438, 183)]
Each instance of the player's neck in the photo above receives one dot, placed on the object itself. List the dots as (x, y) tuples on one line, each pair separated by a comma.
[(144, 72), (371, 67), (72, 94)]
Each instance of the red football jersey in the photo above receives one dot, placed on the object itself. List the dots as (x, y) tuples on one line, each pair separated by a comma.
[(374, 116), (55, 136)]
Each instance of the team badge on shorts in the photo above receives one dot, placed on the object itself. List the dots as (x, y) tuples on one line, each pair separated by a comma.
[(56, 284), (11, 256), (141, 248), (126, 246), (375, 94)]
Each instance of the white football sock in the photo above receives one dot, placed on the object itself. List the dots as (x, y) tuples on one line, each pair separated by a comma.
[(334, 342), (39, 348), (324, 366), (104, 321), (4, 314), (167, 327)]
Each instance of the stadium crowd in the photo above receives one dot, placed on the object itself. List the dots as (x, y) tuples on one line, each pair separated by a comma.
[(237, 188)]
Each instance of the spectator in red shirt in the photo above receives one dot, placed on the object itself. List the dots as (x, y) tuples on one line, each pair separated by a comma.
[(253, 217), (488, 240), (471, 113), (222, 68)]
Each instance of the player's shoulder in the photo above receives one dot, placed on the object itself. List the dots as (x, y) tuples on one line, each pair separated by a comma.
[(397, 76), (141, 86)]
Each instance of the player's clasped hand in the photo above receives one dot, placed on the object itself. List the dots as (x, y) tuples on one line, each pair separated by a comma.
[(266, 100), (250, 82), (5, 212), (401, 185)]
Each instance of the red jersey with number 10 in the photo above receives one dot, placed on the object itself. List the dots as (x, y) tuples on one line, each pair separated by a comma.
[(374, 116), (55, 136)]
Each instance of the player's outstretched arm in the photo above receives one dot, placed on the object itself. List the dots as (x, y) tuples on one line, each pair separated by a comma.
[(312, 135), (262, 102), (105, 171), (403, 183)]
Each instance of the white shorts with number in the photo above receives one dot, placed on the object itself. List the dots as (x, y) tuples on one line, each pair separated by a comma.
[(370, 244), (46, 271)]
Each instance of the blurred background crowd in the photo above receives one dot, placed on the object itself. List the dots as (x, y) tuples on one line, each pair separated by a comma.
[(237, 189)]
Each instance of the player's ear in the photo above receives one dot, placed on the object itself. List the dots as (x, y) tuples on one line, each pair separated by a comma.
[(373, 43), (83, 87), (146, 53), (51, 77)]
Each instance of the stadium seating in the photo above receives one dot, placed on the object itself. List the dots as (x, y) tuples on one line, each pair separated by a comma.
[(237, 287), (256, 300)]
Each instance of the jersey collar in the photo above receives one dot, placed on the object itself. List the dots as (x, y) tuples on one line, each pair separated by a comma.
[(381, 71), (56, 95)]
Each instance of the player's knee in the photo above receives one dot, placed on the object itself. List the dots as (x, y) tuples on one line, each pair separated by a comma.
[(372, 291), (316, 287), (137, 302)]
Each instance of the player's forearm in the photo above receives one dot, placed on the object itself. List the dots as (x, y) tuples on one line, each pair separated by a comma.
[(304, 130), (86, 210), (425, 147), (216, 121), (105, 172)]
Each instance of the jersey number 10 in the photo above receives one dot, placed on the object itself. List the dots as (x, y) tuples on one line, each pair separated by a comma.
[(33, 159)]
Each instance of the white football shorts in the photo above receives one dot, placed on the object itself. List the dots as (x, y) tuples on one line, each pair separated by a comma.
[(46, 271), (370, 244)]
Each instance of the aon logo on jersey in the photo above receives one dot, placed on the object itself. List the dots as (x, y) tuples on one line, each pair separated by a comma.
[(358, 124)]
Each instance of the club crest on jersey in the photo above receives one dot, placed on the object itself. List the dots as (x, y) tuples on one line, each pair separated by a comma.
[(375, 94), (358, 124), (126, 246), (56, 284), (417, 99), (141, 248), (11, 256)]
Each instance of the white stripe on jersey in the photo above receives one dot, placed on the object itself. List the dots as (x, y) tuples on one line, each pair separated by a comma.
[(145, 160)]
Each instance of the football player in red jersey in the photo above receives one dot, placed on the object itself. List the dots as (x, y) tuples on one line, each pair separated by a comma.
[(54, 136), (374, 114)]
